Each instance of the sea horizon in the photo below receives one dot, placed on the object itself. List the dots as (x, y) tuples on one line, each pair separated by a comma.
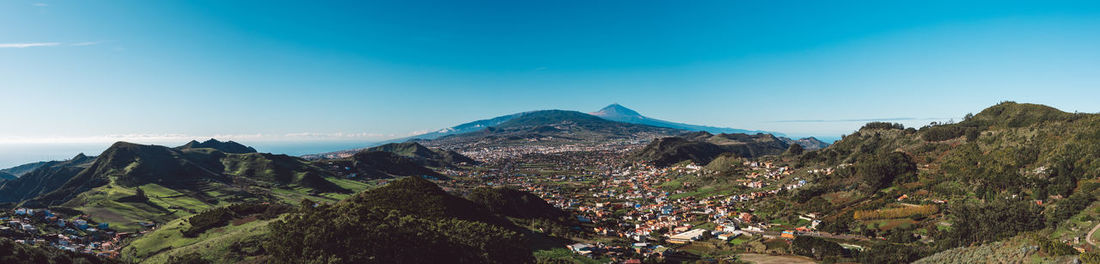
[(15, 154)]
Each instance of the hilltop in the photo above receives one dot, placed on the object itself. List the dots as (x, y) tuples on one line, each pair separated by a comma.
[(702, 147), (23, 169), (44, 179), (425, 156), (227, 147), (810, 143)]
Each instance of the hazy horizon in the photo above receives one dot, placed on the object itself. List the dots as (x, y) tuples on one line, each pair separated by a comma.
[(85, 72)]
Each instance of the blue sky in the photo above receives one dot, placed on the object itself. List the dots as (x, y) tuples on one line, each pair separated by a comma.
[(98, 71)]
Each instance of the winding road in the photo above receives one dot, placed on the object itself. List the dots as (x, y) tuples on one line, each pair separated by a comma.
[(1088, 238)]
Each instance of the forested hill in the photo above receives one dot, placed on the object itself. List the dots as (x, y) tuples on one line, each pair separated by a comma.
[(410, 221), (1010, 169)]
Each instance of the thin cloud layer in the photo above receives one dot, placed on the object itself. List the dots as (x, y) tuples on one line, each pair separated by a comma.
[(47, 44), (29, 45)]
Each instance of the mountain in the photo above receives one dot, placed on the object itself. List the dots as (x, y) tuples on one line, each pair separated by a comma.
[(370, 164), (617, 112), (425, 156), (463, 128), (130, 183), (23, 169), (194, 171), (702, 147), (810, 143), (552, 127), (4, 176), (46, 178), (227, 147)]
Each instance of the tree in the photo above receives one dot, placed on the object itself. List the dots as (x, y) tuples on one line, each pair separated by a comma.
[(879, 171), (816, 248), (795, 149), (189, 258)]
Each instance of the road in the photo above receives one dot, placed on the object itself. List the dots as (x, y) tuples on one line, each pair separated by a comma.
[(1088, 238)]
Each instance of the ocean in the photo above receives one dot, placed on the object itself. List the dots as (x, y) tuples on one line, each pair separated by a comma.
[(15, 154)]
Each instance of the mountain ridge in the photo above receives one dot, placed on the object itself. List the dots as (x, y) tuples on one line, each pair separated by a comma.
[(617, 112)]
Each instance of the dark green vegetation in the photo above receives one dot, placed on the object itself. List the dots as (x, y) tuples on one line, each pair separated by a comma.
[(425, 156), (1011, 169), (221, 216), (369, 164), (817, 248), (46, 178), (407, 221), (227, 147), (396, 223), (4, 176), (23, 169), (702, 147), (131, 183), (12, 252), (194, 171)]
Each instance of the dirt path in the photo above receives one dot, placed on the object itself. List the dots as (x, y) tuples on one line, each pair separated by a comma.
[(1088, 238), (769, 259)]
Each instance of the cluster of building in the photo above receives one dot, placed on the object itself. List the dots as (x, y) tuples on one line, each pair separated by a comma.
[(636, 201), (76, 233)]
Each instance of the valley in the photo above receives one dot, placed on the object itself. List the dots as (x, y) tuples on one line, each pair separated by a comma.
[(567, 187)]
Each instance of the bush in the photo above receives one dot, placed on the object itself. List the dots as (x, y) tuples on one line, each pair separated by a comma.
[(816, 248), (946, 132), (189, 258), (221, 216), (983, 222), (1055, 248), (883, 125), (880, 170)]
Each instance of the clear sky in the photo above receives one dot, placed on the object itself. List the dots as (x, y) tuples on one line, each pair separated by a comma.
[(85, 71)]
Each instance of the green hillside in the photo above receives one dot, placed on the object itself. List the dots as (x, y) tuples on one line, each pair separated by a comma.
[(1009, 170), (702, 147), (43, 179), (394, 223), (132, 183), (425, 156)]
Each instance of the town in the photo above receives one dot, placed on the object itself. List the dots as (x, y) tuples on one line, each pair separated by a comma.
[(63, 230), (639, 211)]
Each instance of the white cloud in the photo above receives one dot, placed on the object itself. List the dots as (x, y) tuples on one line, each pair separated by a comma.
[(86, 43), (47, 44), (29, 44)]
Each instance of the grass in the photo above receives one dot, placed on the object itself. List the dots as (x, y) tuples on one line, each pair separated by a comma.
[(214, 244), (740, 240), (564, 255), (102, 205)]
